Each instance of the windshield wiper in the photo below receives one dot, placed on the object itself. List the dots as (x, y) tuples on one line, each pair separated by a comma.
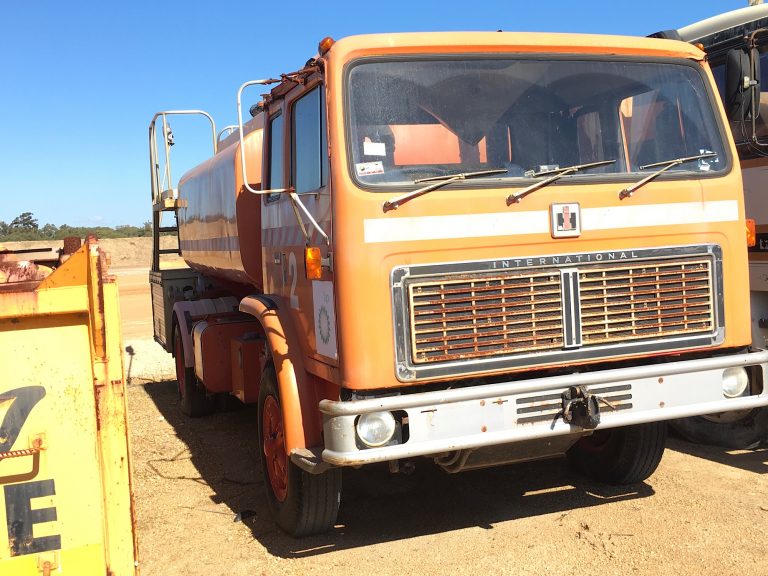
[(556, 174), (667, 164), (438, 182)]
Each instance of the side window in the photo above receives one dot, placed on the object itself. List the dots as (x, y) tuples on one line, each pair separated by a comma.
[(276, 159), (310, 159), (324, 140)]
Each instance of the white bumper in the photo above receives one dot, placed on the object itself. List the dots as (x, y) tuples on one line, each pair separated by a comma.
[(477, 416)]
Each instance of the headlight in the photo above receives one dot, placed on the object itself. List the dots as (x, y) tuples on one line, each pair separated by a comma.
[(376, 428), (735, 382)]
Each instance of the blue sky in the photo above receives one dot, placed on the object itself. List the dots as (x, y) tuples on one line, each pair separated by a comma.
[(80, 81)]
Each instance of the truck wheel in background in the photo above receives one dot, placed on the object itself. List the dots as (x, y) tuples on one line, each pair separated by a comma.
[(620, 455), (734, 430), (301, 503), (193, 399)]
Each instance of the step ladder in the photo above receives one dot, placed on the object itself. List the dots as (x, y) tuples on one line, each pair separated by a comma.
[(169, 204), (165, 198)]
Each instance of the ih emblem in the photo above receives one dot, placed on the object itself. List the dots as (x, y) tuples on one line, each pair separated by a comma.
[(565, 220)]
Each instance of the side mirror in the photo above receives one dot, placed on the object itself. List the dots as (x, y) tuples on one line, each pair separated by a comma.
[(742, 84)]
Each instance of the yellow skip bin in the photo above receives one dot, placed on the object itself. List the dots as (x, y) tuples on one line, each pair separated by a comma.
[(65, 489)]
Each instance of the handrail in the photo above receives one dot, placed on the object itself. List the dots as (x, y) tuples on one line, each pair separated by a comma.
[(229, 129), (262, 82), (295, 200), (167, 134)]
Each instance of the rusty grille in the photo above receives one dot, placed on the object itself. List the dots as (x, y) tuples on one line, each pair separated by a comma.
[(646, 300), (521, 312), (476, 317)]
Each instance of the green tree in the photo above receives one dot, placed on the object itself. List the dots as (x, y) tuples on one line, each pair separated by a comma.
[(49, 231), (24, 221), (25, 227)]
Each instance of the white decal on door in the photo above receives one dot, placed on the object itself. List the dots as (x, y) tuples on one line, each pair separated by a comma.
[(325, 318)]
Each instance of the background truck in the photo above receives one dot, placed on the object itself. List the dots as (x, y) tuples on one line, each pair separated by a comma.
[(65, 486), (478, 248), (736, 44)]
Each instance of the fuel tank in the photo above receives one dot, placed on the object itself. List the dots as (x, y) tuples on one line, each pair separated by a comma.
[(220, 221)]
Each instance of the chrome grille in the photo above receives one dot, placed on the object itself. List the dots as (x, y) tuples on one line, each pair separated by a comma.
[(646, 300), (666, 302), (471, 317)]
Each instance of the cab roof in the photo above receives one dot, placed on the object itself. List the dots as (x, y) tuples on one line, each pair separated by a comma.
[(506, 42)]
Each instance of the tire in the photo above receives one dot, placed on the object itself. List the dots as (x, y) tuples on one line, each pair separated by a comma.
[(301, 503), (192, 397), (620, 455), (736, 431)]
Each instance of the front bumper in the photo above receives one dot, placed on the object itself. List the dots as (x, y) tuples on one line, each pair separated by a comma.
[(477, 416)]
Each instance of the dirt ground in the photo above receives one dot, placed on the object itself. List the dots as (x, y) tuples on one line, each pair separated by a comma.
[(201, 510)]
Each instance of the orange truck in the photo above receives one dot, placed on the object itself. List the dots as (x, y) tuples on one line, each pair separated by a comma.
[(736, 44), (478, 248)]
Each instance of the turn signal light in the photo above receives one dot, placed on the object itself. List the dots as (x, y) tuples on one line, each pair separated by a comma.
[(313, 262), (751, 237), (325, 45)]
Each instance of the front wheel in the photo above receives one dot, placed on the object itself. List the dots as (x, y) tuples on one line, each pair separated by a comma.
[(620, 455), (301, 503)]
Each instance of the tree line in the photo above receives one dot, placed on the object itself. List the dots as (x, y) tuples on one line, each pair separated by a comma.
[(26, 227)]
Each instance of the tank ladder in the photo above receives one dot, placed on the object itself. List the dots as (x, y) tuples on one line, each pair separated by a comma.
[(165, 198)]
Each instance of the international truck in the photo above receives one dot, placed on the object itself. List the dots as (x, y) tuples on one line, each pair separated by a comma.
[(475, 248), (736, 44), (65, 476)]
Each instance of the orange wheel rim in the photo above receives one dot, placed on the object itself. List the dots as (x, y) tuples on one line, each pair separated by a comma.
[(276, 459)]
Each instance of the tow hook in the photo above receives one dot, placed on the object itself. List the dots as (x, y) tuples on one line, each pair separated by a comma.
[(581, 408)]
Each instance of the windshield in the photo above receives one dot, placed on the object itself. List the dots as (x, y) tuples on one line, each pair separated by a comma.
[(411, 119)]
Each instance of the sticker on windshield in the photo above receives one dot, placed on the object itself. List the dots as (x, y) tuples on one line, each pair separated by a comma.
[(368, 168), (374, 148)]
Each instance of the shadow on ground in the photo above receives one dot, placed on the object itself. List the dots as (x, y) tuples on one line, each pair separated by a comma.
[(753, 460), (377, 506)]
